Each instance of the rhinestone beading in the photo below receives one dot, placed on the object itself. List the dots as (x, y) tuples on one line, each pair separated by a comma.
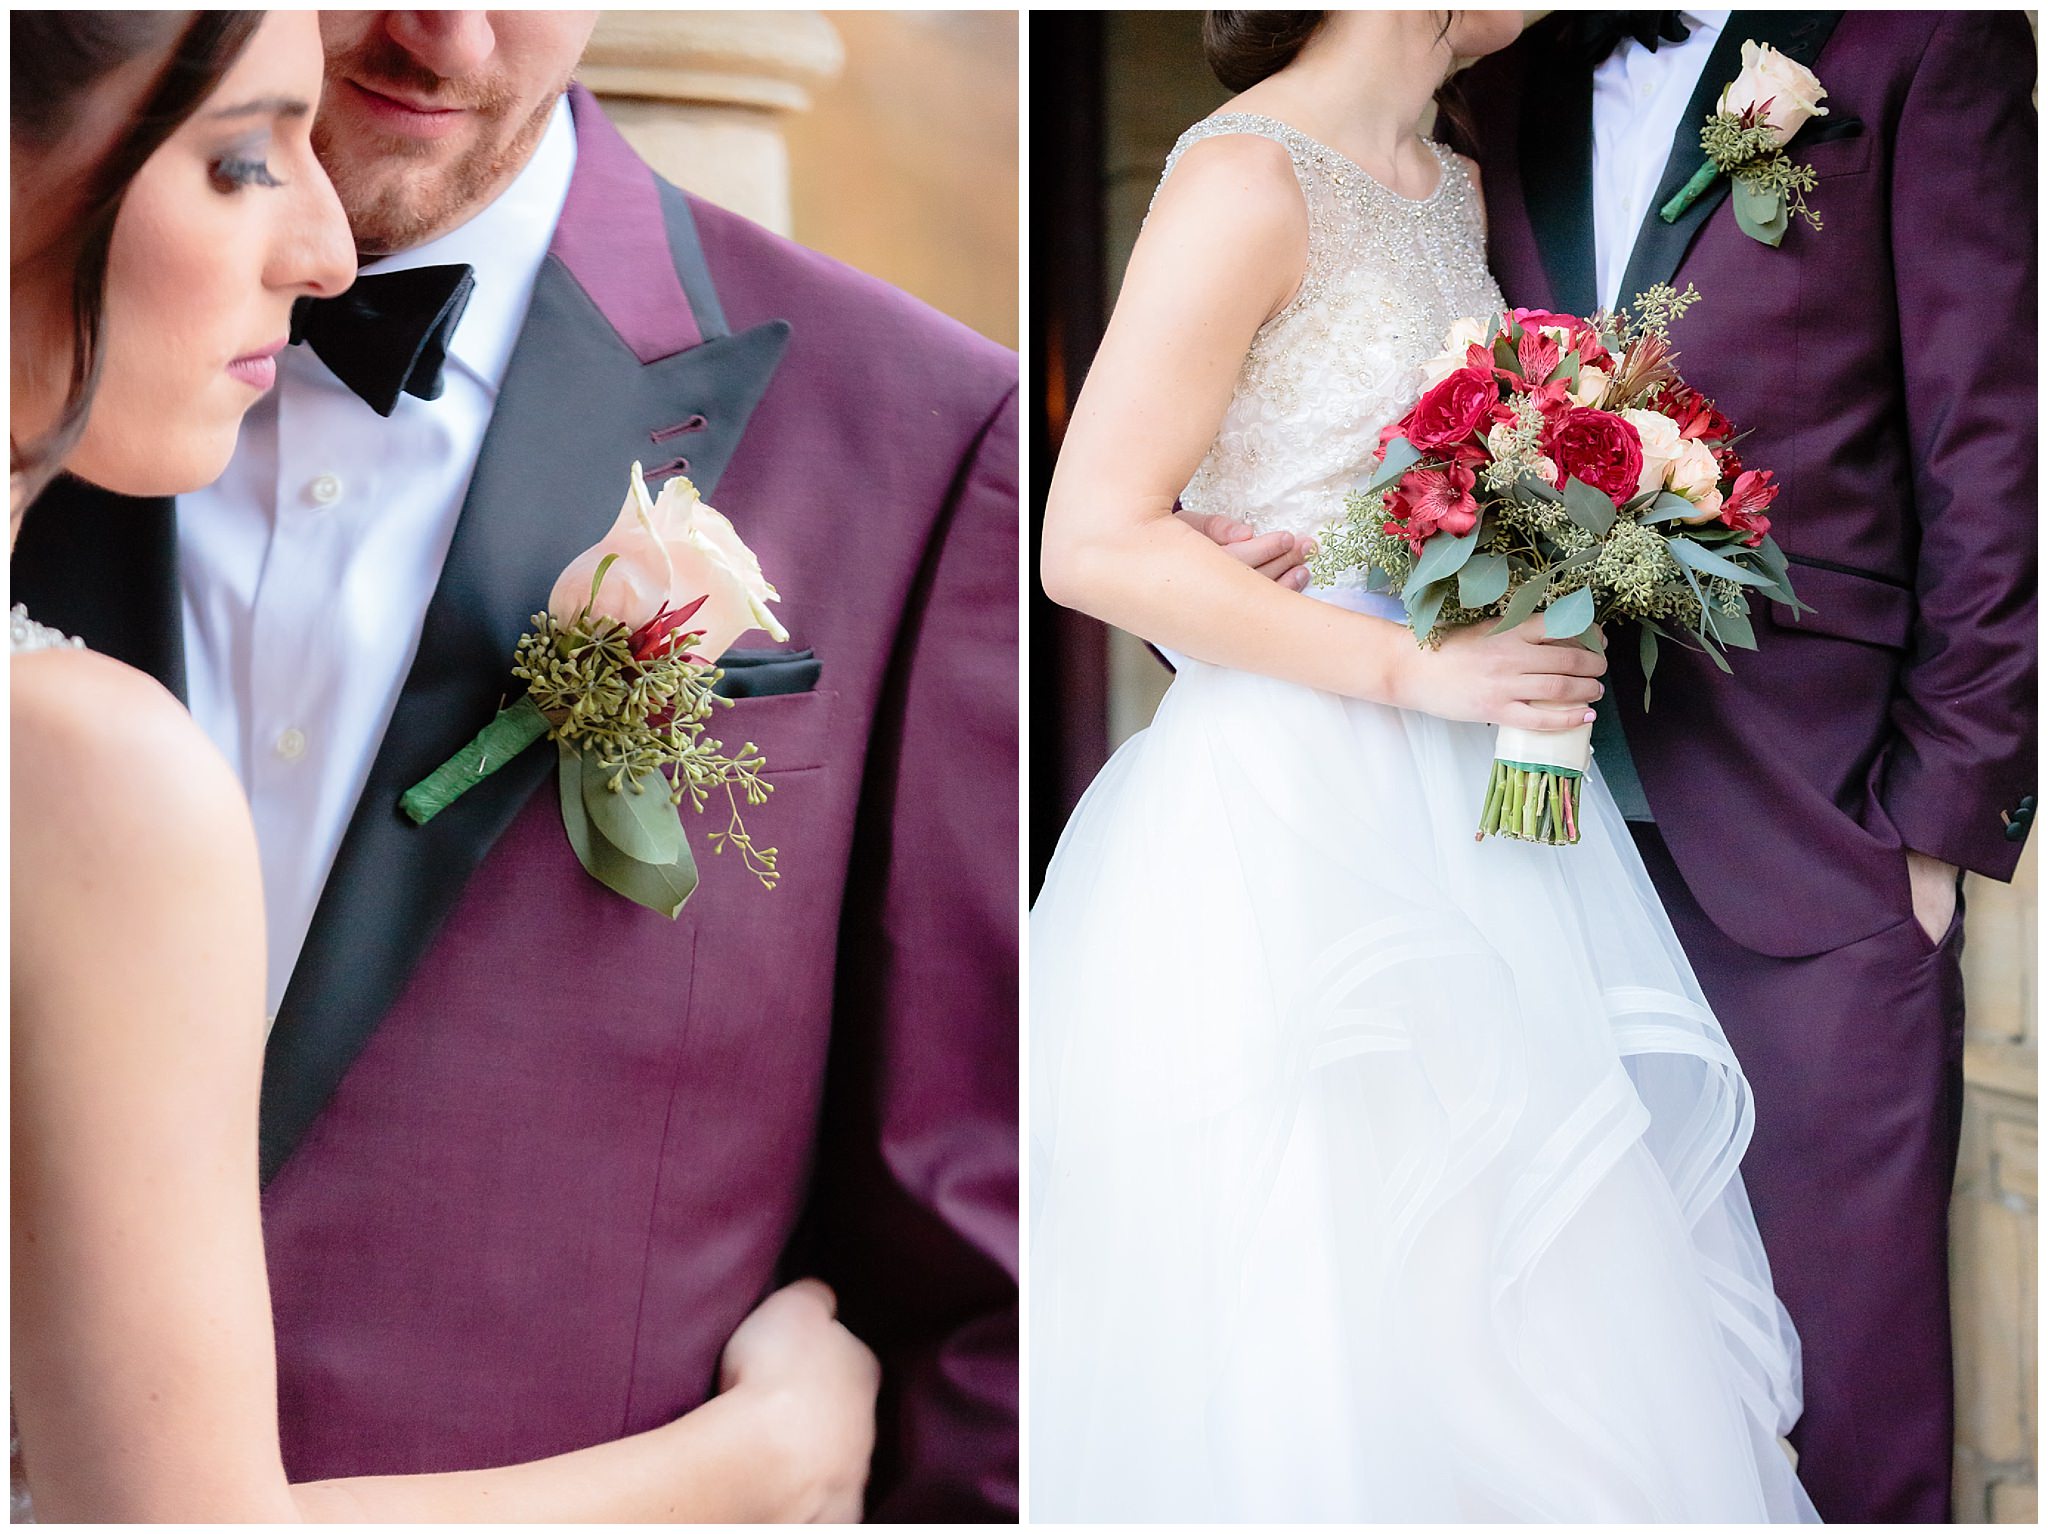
[(1385, 278), (26, 635)]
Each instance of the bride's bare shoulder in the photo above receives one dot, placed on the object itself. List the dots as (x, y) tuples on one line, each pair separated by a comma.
[(1247, 174), (107, 762)]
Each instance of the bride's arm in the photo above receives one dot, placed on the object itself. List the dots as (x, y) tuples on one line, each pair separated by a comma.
[(144, 1367), (1222, 251)]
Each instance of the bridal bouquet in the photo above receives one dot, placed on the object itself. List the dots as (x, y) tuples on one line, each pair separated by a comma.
[(1561, 466), (619, 671)]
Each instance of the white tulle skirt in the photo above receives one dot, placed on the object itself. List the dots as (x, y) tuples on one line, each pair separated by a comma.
[(1379, 1174)]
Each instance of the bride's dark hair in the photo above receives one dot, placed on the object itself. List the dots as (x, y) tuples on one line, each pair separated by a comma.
[(1244, 47), (61, 60)]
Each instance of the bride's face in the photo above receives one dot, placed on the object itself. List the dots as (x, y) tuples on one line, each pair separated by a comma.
[(226, 224)]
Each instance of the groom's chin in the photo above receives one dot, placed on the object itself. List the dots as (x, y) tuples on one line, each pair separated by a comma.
[(400, 190)]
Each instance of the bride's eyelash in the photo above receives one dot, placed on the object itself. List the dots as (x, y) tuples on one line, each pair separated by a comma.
[(232, 172)]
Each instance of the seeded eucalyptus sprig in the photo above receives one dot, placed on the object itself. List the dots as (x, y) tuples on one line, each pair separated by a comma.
[(637, 716)]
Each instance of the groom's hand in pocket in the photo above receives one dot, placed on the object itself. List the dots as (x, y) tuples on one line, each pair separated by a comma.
[(1277, 556), (1934, 893)]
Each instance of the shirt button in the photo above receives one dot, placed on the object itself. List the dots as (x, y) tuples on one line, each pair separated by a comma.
[(325, 490), (1647, 91), (291, 745)]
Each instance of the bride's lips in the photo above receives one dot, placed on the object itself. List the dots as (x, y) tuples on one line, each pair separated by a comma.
[(395, 115), (259, 369)]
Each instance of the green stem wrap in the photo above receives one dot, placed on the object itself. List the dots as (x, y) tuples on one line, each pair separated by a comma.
[(496, 743), (1689, 194)]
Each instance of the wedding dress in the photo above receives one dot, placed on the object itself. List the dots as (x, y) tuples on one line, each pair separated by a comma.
[(1377, 1173)]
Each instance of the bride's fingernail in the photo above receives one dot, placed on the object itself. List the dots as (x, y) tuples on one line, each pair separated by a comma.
[(1590, 716)]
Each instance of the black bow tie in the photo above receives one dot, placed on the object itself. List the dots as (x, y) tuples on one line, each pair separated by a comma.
[(1602, 31), (388, 334)]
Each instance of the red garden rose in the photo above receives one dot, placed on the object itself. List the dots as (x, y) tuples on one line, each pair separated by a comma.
[(1453, 410), (1601, 449)]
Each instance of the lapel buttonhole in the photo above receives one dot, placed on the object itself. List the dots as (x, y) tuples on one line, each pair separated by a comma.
[(695, 423)]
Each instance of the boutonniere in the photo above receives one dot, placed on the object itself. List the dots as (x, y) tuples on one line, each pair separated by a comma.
[(618, 673), (1745, 139)]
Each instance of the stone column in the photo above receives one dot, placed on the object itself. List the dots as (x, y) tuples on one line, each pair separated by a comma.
[(702, 96), (1995, 1218)]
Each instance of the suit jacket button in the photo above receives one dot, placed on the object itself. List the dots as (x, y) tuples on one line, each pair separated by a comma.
[(2027, 804)]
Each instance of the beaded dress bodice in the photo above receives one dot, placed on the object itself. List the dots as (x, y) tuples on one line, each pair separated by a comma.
[(25, 635), (1386, 277)]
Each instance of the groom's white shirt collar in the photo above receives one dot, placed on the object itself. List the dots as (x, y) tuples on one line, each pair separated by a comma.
[(1639, 97), (505, 244)]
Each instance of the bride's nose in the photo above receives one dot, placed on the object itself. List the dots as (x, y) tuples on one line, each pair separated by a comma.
[(314, 253)]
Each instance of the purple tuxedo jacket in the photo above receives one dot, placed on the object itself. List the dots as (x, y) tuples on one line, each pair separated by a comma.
[(1886, 367), (534, 1152)]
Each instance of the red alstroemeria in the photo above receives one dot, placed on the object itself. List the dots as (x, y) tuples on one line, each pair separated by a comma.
[(1539, 356), (1438, 500), (1744, 506)]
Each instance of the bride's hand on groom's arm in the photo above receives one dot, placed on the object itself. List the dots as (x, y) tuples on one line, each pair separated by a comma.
[(1280, 557), (812, 1385)]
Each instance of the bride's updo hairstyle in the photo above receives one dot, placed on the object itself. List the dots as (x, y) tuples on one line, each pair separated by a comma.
[(1243, 47), (95, 94)]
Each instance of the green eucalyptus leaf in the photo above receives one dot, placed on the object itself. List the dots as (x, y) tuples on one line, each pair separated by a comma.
[(1570, 615), (642, 822), (1646, 652), (1402, 455), (1483, 580), (1522, 605), (1707, 562), (661, 887), (1733, 628), (1530, 484), (1668, 508), (1567, 368), (1442, 558), (1588, 507), (1424, 603), (1759, 214), (1505, 354)]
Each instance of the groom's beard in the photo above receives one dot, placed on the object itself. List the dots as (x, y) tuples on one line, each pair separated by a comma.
[(399, 191)]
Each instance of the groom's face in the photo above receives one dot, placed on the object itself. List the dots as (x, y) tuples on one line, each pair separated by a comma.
[(428, 115)]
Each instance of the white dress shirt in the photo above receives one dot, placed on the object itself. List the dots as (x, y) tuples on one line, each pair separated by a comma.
[(1638, 99), (307, 567)]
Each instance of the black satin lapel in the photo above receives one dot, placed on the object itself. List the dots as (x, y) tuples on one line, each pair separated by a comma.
[(1556, 131), (105, 568), (576, 410), (1660, 247)]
